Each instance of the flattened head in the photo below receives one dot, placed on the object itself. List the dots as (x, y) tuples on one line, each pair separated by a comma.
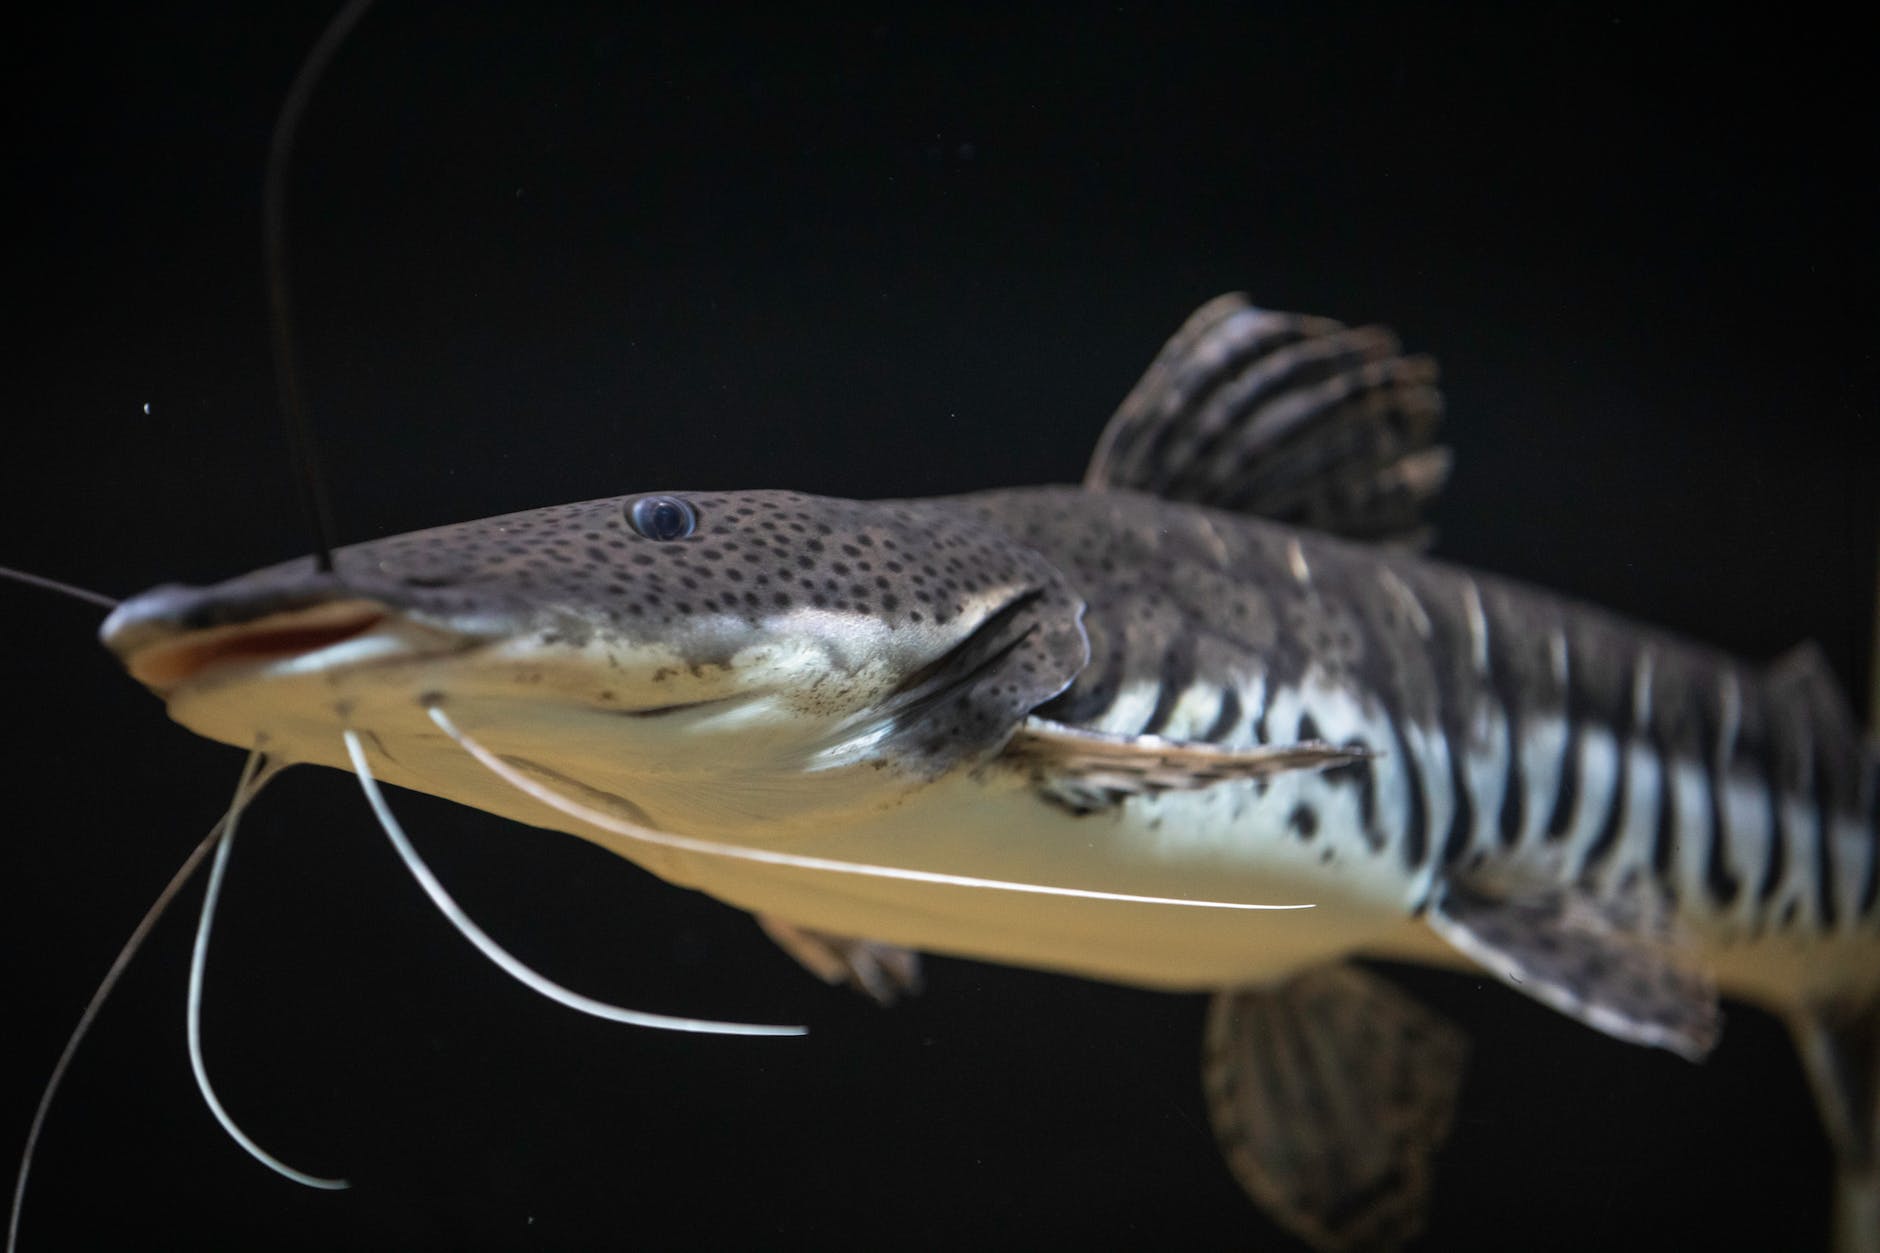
[(911, 633), (646, 565)]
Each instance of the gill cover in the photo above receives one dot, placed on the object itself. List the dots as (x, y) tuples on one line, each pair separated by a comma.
[(1025, 646)]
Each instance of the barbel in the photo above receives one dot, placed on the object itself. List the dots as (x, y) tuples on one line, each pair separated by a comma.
[(1056, 369)]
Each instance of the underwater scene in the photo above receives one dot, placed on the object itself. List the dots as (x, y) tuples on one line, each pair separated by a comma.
[(556, 253)]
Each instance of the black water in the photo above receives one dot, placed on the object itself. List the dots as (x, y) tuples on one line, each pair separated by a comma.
[(552, 252)]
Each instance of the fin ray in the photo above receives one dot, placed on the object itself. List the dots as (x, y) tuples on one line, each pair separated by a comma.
[(1840, 1053), (884, 973), (1284, 415), (1329, 1094), (1085, 769), (1613, 965)]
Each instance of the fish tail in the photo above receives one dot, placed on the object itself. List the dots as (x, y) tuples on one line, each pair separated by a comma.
[(1857, 1211), (1857, 1179), (1840, 1054)]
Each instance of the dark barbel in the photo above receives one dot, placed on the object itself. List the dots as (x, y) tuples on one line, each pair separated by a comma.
[(308, 480)]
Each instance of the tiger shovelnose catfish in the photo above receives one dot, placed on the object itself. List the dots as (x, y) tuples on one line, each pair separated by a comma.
[(1087, 729)]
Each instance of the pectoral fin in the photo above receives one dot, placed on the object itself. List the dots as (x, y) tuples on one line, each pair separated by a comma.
[(1613, 965), (1087, 770), (1329, 1094), (1018, 655)]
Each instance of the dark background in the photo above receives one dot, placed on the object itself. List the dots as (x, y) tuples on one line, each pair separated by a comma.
[(549, 252)]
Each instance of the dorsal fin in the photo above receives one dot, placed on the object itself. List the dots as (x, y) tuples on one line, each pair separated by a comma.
[(1284, 415)]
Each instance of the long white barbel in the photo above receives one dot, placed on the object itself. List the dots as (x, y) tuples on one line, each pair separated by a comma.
[(508, 962), (254, 775), (771, 857), (102, 993)]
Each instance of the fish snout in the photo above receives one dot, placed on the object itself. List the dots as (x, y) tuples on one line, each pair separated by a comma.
[(173, 633)]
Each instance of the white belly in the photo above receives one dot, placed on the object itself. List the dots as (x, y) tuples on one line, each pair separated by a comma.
[(1187, 846), (1228, 843), (1225, 843)]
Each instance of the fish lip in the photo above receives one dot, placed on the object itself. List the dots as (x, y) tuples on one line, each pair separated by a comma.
[(165, 654), (171, 610)]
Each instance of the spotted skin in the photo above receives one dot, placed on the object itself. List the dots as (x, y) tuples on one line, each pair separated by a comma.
[(922, 577), (751, 555)]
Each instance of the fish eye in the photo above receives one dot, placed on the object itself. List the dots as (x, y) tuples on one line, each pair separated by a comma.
[(662, 517)]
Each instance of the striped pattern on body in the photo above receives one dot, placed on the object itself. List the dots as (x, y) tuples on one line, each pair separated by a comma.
[(1516, 731)]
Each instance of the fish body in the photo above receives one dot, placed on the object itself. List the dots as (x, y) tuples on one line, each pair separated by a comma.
[(1654, 340), (1515, 734), (1175, 681)]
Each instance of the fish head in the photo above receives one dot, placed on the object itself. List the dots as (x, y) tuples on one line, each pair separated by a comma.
[(713, 661)]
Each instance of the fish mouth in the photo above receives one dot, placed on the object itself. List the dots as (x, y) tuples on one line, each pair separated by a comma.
[(167, 659)]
